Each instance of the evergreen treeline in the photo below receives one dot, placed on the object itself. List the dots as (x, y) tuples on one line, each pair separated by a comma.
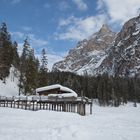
[(8, 52), (108, 90), (32, 74)]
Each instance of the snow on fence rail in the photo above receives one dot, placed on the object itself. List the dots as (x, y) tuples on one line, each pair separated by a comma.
[(43, 102)]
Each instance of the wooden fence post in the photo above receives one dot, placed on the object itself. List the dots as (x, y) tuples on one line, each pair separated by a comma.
[(90, 108), (6, 102), (18, 102), (26, 103), (0, 101), (14, 102)]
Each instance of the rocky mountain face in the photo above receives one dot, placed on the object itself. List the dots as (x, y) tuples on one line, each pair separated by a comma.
[(123, 58), (88, 55), (106, 52)]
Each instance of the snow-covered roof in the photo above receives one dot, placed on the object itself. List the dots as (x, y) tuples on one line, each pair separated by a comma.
[(63, 95), (67, 91)]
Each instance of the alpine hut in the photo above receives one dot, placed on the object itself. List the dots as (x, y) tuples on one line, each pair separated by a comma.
[(56, 91)]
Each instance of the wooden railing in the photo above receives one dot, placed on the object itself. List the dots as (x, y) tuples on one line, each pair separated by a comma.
[(34, 103)]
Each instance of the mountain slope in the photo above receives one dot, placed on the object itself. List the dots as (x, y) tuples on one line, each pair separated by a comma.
[(106, 52), (123, 57), (88, 54)]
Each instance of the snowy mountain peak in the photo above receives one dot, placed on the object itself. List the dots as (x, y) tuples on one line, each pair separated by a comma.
[(107, 52), (88, 54), (124, 56), (130, 28), (104, 29)]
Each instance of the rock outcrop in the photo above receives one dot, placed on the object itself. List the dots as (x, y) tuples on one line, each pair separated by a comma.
[(123, 57), (88, 54)]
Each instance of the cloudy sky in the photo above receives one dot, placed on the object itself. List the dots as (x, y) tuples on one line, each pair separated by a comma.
[(57, 25)]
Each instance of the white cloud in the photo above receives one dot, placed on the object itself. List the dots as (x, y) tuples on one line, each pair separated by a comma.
[(81, 5), (34, 41), (120, 10), (79, 28), (100, 5), (111, 12), (68, 21), (37, 41)]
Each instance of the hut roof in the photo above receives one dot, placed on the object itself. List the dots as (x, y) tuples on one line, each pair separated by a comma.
[(66, 92)]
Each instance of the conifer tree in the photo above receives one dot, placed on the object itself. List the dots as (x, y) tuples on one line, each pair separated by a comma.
[(16, 59), (43, 69), (23, 66), (29, 67), (6, 52), (31, 73)]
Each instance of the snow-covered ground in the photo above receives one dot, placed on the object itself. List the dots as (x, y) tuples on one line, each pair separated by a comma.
[(10, 88), (106, 123)]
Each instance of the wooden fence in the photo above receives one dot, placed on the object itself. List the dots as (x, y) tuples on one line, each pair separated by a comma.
[(38, 103)]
